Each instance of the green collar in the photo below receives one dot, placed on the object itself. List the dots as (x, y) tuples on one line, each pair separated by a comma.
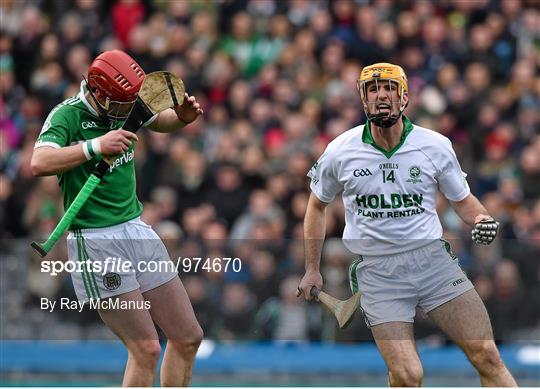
[(368, 138)]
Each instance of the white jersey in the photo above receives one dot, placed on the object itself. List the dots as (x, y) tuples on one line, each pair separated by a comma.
[(389, 197)]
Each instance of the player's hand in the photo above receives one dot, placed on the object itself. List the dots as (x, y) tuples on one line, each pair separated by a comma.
[(116, 142), (311, 279), (189, 110), (485, 229)]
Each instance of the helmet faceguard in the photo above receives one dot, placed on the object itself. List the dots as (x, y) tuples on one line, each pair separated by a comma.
[(118, 79), (383, 75)]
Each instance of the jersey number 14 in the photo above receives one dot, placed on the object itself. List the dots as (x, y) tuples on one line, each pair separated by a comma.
[(388, 176)]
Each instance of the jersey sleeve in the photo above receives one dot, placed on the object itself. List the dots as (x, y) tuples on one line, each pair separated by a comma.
[(452, 180), (324, 181), (54, 132)]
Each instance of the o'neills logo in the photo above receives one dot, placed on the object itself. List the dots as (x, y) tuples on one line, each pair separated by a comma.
[(124, 158)]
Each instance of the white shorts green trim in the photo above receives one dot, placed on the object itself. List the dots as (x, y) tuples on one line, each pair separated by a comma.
[(134, 244), (393, 286)]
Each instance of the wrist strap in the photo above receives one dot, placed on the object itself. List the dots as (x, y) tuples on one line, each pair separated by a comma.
[(96, 145), (91, 148)]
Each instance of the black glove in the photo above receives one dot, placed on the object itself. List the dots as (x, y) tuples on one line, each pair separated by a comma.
[(484, 232)]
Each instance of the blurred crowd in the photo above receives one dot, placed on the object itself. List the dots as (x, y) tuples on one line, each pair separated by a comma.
[(277, 81)]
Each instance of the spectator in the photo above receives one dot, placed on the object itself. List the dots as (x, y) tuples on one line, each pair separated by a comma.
[(286, 318), (507, 300), (126, 14), (228, 196), (236, 313)]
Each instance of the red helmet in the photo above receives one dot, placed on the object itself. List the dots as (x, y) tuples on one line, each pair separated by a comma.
[(118, 77)]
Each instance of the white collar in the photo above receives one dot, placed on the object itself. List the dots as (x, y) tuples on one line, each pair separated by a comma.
[(84, 100)]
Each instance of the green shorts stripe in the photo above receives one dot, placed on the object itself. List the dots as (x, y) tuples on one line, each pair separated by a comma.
[(92, 275), (80, 258), (450, 251), (352, 273), (354, 284)]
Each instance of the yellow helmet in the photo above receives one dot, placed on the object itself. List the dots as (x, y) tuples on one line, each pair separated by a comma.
[(382, 71)]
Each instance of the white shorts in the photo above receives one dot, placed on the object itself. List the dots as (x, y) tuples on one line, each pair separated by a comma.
[(393, 286), (119, 259)]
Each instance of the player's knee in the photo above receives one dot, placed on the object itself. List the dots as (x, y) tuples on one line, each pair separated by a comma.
[(195, 337), (152, 352), (146, 353), (198, 336), (188, 344), (194, 341), (408, 374), (484, 355)]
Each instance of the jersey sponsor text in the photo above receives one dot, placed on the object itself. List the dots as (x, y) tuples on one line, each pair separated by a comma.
[(124, 158), (395, 200)]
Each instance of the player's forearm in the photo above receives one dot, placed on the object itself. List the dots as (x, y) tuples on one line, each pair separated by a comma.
[(167, 121), (314, 232), (469, 208), (47, 161)]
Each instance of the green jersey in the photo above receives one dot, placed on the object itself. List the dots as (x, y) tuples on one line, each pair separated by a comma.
[(114, 201)]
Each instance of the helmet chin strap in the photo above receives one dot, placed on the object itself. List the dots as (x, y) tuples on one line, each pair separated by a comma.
[(101, 110), (383, 120)]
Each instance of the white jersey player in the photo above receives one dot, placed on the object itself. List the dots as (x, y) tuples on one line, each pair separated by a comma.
[(389, 172)]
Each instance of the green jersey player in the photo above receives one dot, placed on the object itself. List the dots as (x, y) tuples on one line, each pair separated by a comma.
[(76, 134), (389, 172)]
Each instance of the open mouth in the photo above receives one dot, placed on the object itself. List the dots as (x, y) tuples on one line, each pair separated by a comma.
[(383, 107)]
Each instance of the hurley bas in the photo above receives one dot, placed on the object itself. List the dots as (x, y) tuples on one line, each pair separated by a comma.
[(111, 303)]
